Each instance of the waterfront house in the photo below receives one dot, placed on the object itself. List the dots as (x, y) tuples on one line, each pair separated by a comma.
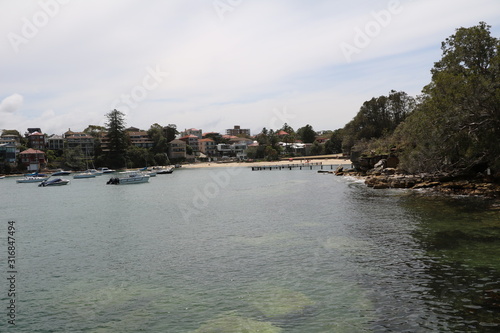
[(33, 159), (177, 149)]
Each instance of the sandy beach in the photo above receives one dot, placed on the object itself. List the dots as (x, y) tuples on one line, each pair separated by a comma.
[(324, 161)]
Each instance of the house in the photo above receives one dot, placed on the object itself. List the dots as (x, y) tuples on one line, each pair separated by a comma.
[(207, 147), (10, 138), (79, 140), (33, 159), (55, 142), (191, 140), (37, 140), (140, 139), (177, 149), (237, 130), (8, 153), (192, 131), (234, 150)]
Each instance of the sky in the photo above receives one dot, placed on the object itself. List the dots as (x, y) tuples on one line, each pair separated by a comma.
[(213, 64)]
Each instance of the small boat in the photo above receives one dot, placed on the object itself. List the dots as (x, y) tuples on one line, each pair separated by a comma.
[(150, 173), (133, 177), (54, 182), (35, 174), (2, 177), (61, 173), (106, 170), (84, 175), (31, 179), (94, 171), (163, 171)]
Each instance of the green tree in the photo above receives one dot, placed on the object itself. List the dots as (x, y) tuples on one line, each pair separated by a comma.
[(74, 159), (139, 157), (456, 127), (334, 145), (118, 139), (170, 132), (306, 134), (156, 133), (377, 117), (317, 148), (287, 128)]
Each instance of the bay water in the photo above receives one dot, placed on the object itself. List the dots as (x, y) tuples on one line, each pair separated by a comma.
[(235, 250)]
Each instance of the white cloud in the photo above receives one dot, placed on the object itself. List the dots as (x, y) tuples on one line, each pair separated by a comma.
[(11, 104), (264, 54)]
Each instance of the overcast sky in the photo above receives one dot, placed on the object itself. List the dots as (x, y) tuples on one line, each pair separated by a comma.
[(215, 64)]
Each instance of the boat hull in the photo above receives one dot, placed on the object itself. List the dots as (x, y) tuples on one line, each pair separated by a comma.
[(55, 182), (131, 179), (31, 180)]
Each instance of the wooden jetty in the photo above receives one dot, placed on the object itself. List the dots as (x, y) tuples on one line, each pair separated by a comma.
[(299, 166)]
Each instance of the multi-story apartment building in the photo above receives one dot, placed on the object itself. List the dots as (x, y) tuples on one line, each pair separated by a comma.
[(177, 149), (191, 140), (207, 147), (8, 153), (237, 130), (140, 139), (37, 140), (79, 140), (55, 142)]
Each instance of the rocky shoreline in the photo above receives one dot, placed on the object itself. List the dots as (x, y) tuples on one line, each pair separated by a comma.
[(383, 178)]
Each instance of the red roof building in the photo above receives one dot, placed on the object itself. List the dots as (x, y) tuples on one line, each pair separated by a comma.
[(33, 159)]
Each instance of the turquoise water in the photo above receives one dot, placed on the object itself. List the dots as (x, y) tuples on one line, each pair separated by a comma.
[(235, 250)]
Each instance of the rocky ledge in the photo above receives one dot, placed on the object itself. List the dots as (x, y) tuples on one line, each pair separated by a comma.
[(383, 178)]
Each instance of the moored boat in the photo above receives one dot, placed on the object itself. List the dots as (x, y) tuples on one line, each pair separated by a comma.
[(84, 175), (54, 182), (163, 171), (106, 170), (133, 177), (61, 173), (31, 179)]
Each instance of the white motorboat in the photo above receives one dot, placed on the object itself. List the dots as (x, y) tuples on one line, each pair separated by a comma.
[(31, 179), (94, 171), (84, 175), (106, 170), (61, 172), (133, 177), (54, 182)]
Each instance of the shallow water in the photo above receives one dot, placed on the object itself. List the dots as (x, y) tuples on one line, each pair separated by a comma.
[(233, 250)]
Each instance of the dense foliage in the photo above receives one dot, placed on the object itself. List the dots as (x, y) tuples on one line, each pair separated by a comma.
[(456, 126)]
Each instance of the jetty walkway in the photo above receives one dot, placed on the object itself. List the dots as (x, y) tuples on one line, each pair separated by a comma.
[(300, 166)]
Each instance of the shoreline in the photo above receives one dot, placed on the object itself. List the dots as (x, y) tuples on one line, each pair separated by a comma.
[(324, 161), (442, 184)]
